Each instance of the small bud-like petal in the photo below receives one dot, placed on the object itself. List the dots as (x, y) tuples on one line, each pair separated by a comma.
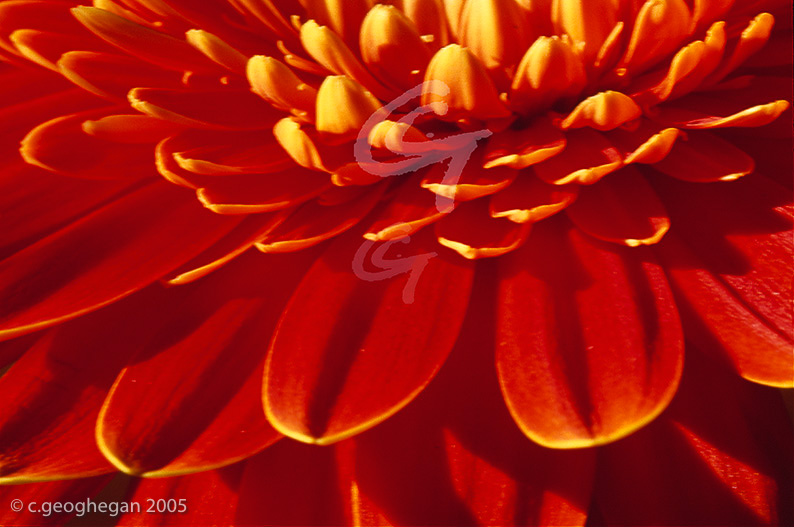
[(471, 92), (550, 70), (587, 22), (343, 106), (277, 84), (496, 31), (392, 48), (668, 21)]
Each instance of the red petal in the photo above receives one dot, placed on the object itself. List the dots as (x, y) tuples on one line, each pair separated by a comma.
[(409, 209), (105, 256), (215, 110), (455, 457), (251, 230), (40, 15), (54, 392), (352, 348), (113, 76), (730, 270), (35, 202), (290, 484), (473, 233), (704, 157), (588, 157), (60, 145), (315, 221), (251, 193), (721, 455), (522, 148), (149, 423), (529, 199), (589, 343), (621, 208)]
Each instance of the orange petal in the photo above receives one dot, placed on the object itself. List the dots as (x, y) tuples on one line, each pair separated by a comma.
[(550, 70), (668, 21), (129, 129), (644, 142), (392, 48), (751, 40), (587, 25), (305, 148), (217, 50), (343, 107), (497, 32), (277, 84), (463, 88), (430, 20), (602, 111), (691, 117), (334, 55)]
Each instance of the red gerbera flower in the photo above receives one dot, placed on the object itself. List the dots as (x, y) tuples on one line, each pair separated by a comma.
[(238, 231)]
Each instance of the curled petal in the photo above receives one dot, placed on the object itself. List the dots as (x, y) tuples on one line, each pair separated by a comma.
[(473, 233), (529, 199), (603, 111)]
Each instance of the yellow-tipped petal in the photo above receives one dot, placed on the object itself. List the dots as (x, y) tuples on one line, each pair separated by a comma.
[(550, 70), (430, 20), (334, 55), (276, 83), (392, 48), (587, 22), (496, 31), (471, 91), (217, 50), (343, 106), (660, 27)]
